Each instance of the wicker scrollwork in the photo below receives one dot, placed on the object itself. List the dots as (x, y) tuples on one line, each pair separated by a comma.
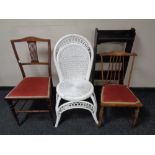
[(77, 105)]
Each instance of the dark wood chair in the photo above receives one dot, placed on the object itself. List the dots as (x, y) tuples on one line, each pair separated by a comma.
[(123, 38), (114, 92), (31, 88)]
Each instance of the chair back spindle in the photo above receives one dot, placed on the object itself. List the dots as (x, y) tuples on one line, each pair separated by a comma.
[(114, 73)]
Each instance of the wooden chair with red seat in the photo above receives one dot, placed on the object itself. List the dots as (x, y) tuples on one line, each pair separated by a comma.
[(31, 88), (114, 93)]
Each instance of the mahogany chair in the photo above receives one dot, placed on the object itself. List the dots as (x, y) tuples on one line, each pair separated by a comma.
[(31, 88), (114, 92)]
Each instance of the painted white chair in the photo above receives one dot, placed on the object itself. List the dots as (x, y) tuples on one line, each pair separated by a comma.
[(73, 58)]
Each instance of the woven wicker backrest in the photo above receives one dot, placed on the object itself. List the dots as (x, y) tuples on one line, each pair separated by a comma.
[(73, 56)]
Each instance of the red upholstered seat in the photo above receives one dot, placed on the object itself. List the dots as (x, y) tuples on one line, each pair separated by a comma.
[(118, 94), (31, 87)]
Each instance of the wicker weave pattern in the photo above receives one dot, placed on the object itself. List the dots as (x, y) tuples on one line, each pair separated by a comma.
[(73, 57), (72, 39), (75, 90), (74, 61)]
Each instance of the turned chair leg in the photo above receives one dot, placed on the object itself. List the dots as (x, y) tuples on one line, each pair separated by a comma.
[(101, 117), (136, 114), (13, 111)]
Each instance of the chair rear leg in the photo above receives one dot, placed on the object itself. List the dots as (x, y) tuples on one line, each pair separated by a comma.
[(13, 111), (50, 107), (101, 117)]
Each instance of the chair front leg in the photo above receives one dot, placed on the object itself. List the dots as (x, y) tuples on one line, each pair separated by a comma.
[(93, 97), (136, 114), (13, 111), (58, 115)]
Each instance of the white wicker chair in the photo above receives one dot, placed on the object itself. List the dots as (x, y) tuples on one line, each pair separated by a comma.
[(73, 58)]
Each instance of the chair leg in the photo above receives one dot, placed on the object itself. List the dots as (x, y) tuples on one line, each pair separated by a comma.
[(101, 117), (13, 111), (95, 118), (50, 107), (93, 97), (58, 115), (136, 114)]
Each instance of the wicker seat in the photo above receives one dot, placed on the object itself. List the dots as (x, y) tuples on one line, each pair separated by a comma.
[(73, 57), (75, 90)]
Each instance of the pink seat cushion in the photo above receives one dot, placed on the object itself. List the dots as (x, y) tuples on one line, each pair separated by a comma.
[(114, 93), (31, 87)]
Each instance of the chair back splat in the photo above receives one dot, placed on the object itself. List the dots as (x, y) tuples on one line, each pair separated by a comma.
[(33, 52)]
